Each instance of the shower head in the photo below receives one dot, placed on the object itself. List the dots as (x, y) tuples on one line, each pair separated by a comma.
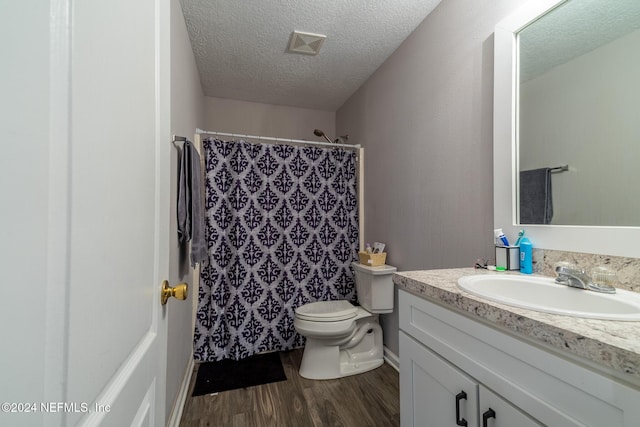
[(318, 132)]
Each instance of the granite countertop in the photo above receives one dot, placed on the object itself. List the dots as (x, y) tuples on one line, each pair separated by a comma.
[(614, 344)]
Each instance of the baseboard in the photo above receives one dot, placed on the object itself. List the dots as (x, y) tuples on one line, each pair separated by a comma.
[(178, 406), (392, 359)]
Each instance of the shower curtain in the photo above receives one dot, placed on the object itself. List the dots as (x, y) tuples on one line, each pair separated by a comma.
[(282, 230)]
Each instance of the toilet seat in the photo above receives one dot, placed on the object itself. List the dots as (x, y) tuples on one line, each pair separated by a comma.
[(327, 311)]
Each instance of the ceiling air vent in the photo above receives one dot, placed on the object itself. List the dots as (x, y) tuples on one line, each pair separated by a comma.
[(306, 43)]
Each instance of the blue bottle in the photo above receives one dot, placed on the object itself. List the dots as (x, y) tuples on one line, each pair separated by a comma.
[(526, 253)]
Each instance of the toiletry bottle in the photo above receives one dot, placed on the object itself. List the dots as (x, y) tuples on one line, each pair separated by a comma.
[(526, 253), (501, 239)]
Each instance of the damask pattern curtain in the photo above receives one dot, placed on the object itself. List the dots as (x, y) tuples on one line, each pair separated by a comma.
[(282, 231)]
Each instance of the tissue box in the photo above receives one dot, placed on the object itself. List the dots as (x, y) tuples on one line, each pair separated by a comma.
[(508, 257), (372, 260)]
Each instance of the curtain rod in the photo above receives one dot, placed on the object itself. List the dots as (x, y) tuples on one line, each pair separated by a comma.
[(269, 138)]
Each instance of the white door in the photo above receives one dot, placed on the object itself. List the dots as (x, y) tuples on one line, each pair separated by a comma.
[(85, 190)]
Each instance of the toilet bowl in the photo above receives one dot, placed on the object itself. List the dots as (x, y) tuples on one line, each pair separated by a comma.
[(343, 339)]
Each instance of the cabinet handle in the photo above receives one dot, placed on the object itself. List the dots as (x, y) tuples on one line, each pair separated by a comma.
[(489, 413), (459, 397)]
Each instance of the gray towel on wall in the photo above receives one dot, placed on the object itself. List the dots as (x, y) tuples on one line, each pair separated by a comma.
[(190, 206), (184, 196), (536, 204)]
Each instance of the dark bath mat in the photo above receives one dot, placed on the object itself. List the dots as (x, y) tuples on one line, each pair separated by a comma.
[(231, 374)]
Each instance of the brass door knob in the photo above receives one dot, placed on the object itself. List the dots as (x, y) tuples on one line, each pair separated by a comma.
[(179, 291)]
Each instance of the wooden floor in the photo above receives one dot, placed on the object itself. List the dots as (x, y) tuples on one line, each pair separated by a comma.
[(369, 399)]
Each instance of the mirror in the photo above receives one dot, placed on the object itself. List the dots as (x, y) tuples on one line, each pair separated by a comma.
[(577, 106), (595, 239)]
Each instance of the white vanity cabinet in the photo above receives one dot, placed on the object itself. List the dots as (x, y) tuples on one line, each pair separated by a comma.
[(436, 393), (498, 412), (455, 369)]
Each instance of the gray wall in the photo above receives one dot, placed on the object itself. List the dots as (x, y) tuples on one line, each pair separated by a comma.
[(187, 113), (254, 118), (425, 120)]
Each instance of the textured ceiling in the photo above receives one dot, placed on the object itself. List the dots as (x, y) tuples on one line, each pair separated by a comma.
[(573, 29), (240, 46)]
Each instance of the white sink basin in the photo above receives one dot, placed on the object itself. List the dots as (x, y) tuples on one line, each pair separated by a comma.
[(544, 294)]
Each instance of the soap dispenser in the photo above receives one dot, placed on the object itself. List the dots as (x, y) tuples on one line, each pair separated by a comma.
[(526, 254)]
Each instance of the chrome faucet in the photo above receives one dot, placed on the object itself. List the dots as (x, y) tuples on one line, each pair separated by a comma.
[(580, 279)]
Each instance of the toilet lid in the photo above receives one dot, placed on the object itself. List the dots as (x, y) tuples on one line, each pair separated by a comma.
[(326, 311)]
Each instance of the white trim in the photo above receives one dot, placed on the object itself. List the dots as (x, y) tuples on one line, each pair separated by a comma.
[(183, 393), (615, 241), (59, 206), (162, 59), (392, 359)]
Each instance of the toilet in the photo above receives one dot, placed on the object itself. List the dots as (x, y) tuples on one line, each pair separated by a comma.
[(343, 339)]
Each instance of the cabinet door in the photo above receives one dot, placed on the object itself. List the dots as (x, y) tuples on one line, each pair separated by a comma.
[(497, 412), (433, 392)]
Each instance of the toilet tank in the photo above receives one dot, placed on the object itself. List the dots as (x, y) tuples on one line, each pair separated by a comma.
[(374, 287)]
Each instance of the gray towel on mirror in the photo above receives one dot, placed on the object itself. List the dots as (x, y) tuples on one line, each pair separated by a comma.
[(190, 206), (536, 205)]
